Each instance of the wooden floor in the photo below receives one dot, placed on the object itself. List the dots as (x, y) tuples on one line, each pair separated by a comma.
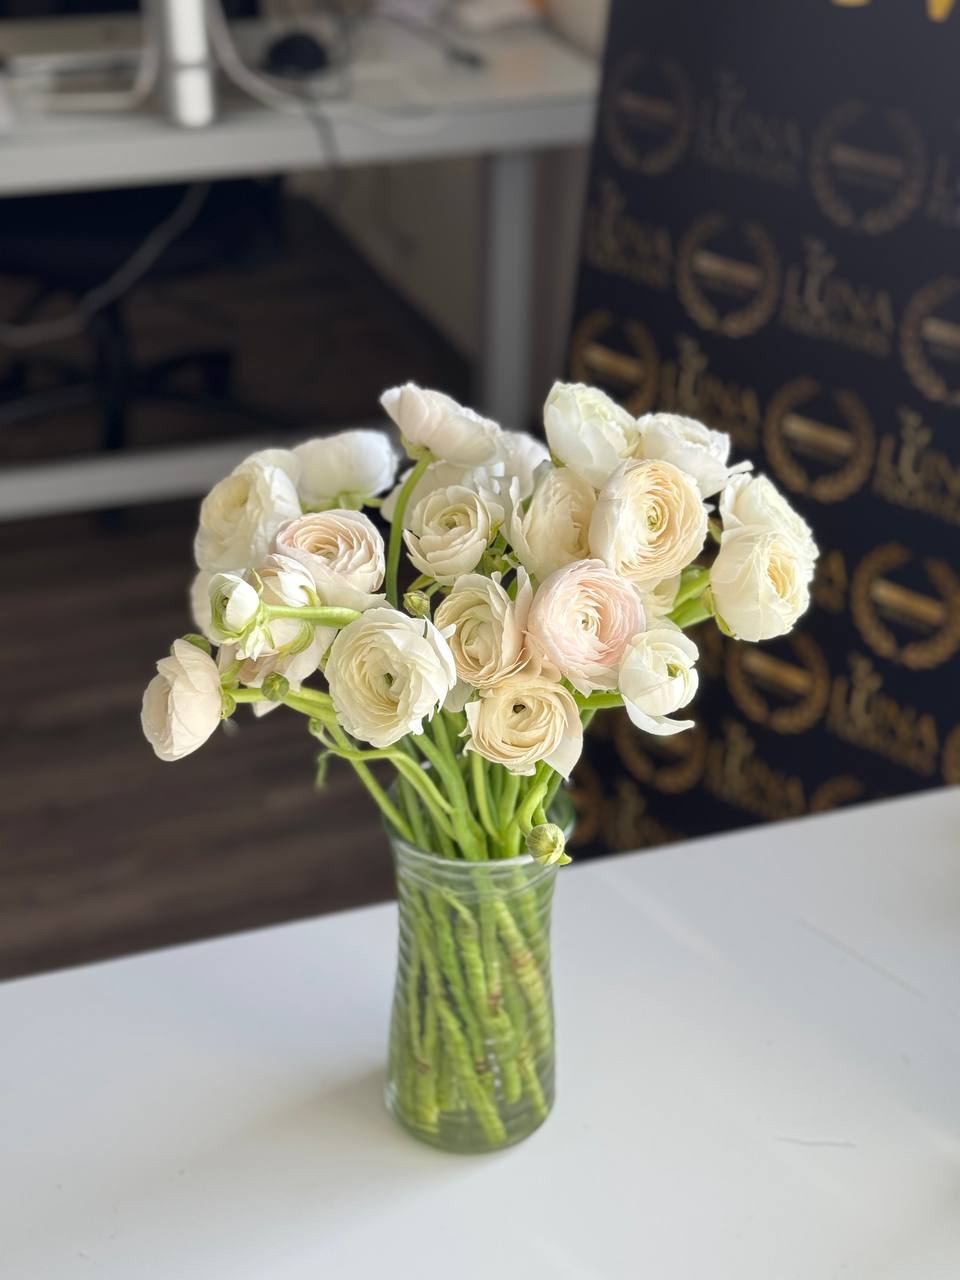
[(103, 849)]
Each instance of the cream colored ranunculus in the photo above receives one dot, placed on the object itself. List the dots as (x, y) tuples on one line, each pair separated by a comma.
[(552, 529), (183, 703), (658, 676), (343, 552), (699, 451), (487, 630), (523, 721), (431, 420), (659, 600), (297, 652), (588, 432), (582, 619), (519, 455), (286, 581), (756, 502), (649, 523), (760, 582), (387, 673), (448, 531), (241, 514), (236, 614), (346, 469)]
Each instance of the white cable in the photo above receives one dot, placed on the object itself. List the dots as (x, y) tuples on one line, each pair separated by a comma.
[(150, 250)]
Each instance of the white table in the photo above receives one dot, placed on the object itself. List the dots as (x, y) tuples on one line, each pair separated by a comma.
[(407, 102), (759, 1080)]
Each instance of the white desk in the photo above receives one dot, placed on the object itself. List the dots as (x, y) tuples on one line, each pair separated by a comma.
[(407, 102), (759, 1080)]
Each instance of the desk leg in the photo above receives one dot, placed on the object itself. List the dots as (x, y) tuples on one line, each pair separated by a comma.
[(508, 289)]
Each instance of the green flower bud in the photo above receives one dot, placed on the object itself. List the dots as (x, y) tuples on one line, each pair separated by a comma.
[(229, 704), (200, 642), (275, 687), (547, 845), (417, 604)]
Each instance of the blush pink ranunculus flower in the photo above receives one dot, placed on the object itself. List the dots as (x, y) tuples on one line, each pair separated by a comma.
[(582, 619)]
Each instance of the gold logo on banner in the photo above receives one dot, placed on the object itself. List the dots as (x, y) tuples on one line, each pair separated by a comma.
[(937, 10), (951, 757), (728, 277), (904, 621), (868, 167), (621, 245), (787, 691), (830, 583), (911, 474), (621, 355), (648, 113), (930, 340), (864, 714), (835, 792), (824, 459), (737, 138), (737, 775), (687, 386), (818, 303), (672, 764)]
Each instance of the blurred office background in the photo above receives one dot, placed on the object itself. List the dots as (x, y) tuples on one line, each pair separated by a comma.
[(287, 295)]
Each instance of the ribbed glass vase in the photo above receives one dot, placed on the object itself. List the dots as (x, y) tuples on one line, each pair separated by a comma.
[(472, 1034)]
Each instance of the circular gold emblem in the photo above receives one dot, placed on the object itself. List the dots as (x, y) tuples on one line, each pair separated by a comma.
[(819, 443), (648, 113), (951, 757), (728, 275), (902, 620), (785, 687), (930, 340), (868, 167), (619, 355), (671, 764)]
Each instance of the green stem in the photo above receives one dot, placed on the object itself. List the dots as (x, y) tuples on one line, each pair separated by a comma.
[(690, 613), (478, 776), (396, 527), (322, 615)]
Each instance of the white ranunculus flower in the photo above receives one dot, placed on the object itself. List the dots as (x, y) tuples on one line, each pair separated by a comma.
[(439, 475), (649, 522), (387, 673), (346, 469), (182, 704), (431, 420), (343, 552), (659, 600), (448, 531), (287, 582), (523, 721), (241, 514), (588, 431), (755, 501), (236, 615), (200, 604), (552, 529), (760, 582), (519, 454), (488, 639), (689, 445), (658, 676), (297, 652), (582, 619)]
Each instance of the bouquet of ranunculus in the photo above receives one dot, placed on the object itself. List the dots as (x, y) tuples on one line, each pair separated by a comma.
[(542, 587)]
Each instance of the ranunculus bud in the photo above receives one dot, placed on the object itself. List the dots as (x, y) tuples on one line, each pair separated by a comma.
[(417, 604), (546, 844), (275, 687)]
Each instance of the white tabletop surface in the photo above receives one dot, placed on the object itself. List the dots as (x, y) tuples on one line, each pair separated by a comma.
[(759, 1053), (406, 101)]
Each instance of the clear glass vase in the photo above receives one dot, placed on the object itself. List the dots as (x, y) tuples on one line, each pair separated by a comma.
[(472, 1058)]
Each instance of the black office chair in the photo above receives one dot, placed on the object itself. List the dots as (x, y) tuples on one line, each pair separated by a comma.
[(69, 244)]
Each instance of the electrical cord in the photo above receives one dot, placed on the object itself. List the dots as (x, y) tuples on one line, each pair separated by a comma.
[(146, 255)]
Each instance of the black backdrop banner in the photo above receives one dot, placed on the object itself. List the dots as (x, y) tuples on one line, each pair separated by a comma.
[(772, 244)]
